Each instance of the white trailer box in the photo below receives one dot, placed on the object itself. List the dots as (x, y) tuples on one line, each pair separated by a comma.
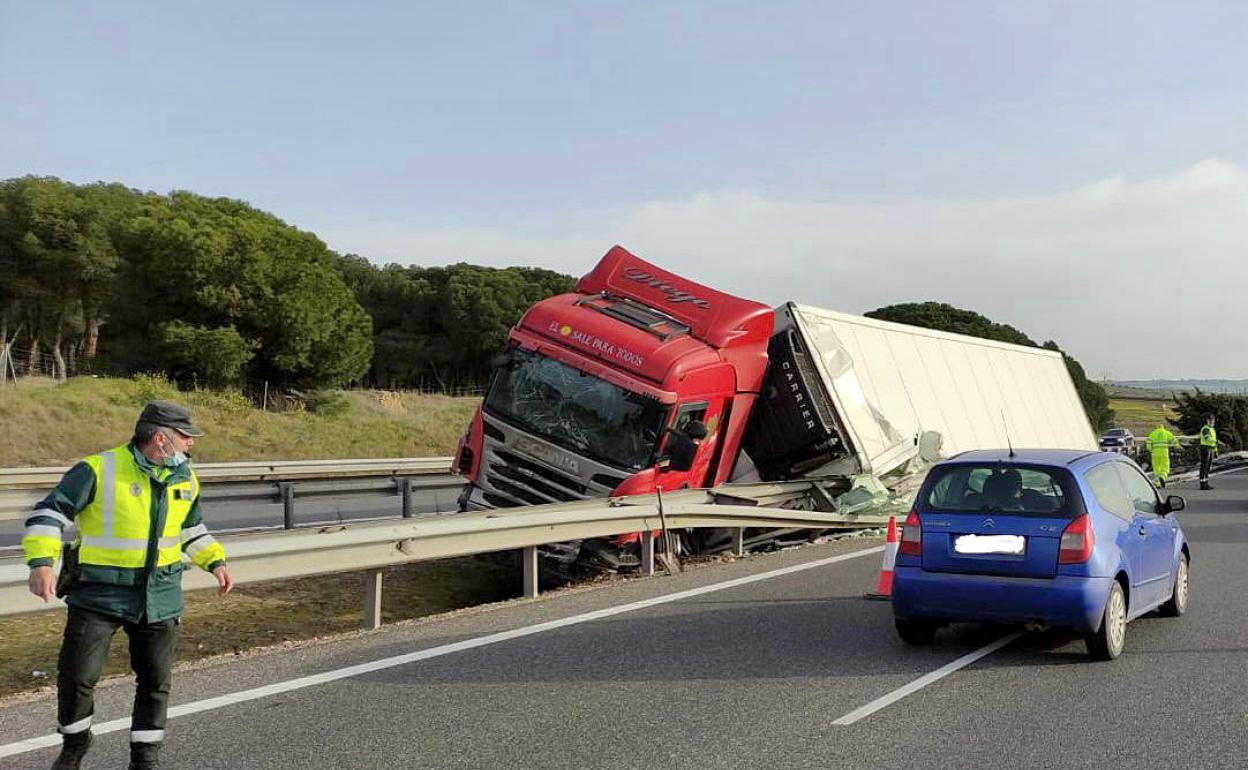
[(867, 391)]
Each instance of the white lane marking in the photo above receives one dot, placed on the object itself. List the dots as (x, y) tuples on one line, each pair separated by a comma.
[(925, 680), (196, 707)]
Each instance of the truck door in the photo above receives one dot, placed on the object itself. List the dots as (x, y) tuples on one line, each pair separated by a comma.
[(707, 411)]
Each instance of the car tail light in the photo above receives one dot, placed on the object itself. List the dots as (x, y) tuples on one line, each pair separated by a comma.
[(1077, 539), (911, 536)]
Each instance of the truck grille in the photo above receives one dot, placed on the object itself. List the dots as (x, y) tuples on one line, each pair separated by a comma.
[(528, 483)]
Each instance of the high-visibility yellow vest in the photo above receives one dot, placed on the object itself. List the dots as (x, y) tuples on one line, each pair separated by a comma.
[(115, 527), (1161, 440), (1208, 436)]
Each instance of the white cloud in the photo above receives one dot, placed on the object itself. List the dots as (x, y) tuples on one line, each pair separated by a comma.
[(1135, 278)]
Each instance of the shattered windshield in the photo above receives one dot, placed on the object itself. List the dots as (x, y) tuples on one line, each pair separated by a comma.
[(577, 410)]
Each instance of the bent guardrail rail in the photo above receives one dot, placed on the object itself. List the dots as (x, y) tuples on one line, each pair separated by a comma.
[(371, 546)]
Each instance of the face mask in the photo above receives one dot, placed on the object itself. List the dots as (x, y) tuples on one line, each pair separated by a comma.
[(174, 459)]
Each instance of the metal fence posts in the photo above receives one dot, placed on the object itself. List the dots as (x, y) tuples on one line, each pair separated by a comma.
[(738, 542), (647, 552), (530, 572), (286, 490), (372, 599), (405, 491)]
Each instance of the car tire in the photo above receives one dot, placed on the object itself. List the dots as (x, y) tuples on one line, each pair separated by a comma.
[(918, 632), (1178, 601), (1107, 642)]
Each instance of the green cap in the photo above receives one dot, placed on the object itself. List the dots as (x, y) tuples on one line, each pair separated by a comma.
[(170, 415)]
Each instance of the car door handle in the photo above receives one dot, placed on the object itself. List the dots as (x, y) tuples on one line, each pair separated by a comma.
[(1143, 531)]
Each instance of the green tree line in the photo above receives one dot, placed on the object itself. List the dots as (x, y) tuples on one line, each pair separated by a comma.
[(439, 327), (1230, 413), (945, 317), (216, 292)]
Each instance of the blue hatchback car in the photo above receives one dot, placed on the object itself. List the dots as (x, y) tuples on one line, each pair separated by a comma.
[(1059, 538)]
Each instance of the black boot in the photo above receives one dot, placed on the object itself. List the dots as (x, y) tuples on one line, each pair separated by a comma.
[(73, 749), (1205, 485), (145, 756)]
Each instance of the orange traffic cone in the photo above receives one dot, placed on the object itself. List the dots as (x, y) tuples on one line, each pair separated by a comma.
[(884, 588)]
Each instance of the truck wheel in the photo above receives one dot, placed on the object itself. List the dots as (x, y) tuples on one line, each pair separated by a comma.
[(919, 632), (1108, 641), (1178, 602)]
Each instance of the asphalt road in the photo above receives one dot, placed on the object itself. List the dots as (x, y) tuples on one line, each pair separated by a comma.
[(752, 674)]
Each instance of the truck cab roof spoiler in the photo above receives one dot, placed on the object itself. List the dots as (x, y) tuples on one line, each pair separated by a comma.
[(635, 314), (718, 319)]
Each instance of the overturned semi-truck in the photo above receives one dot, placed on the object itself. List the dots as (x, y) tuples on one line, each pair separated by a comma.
[(598, 387)]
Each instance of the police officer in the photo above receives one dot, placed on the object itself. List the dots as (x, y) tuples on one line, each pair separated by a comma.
[(137, 512), (1159, 443), (1208, 450)]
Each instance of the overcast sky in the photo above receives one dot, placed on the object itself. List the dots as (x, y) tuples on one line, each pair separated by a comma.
[(1078, 170)]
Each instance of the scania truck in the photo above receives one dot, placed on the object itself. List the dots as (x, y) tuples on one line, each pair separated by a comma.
[(596, 387)]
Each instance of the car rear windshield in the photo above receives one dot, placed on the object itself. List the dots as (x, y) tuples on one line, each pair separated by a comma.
[(1000, 488)]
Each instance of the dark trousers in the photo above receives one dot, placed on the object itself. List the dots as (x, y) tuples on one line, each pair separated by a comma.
[(1206, 459), (84, 651)]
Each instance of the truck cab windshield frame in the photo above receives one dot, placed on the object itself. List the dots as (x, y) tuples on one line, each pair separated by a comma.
[(577, 410)]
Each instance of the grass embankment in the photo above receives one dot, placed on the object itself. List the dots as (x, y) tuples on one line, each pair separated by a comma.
[(46, 424), (1140, 416), (42, 423)]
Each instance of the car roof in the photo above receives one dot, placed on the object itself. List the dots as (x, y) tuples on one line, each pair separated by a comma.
[(1062, 457)]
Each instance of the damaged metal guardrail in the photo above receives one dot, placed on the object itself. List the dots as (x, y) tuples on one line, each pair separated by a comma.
[(270, 482), (371, 546)]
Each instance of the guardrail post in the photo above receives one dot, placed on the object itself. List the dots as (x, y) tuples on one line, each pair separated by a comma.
[(530, 572), (738, 542), (647, 552), (287, 491), (405, 491), (372, 599)]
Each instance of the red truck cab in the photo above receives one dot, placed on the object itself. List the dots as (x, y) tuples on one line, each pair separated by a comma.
[(593, 383)]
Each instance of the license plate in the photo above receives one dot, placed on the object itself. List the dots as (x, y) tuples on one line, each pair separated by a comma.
[(1012, 545)]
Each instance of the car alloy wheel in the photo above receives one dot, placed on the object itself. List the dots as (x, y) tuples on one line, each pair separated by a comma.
[(1106, 643), (1182, 586), (1116, 622)]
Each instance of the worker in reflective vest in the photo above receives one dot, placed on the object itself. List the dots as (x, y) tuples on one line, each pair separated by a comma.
[(1208, 450), (1159, 443), (136, 508)]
